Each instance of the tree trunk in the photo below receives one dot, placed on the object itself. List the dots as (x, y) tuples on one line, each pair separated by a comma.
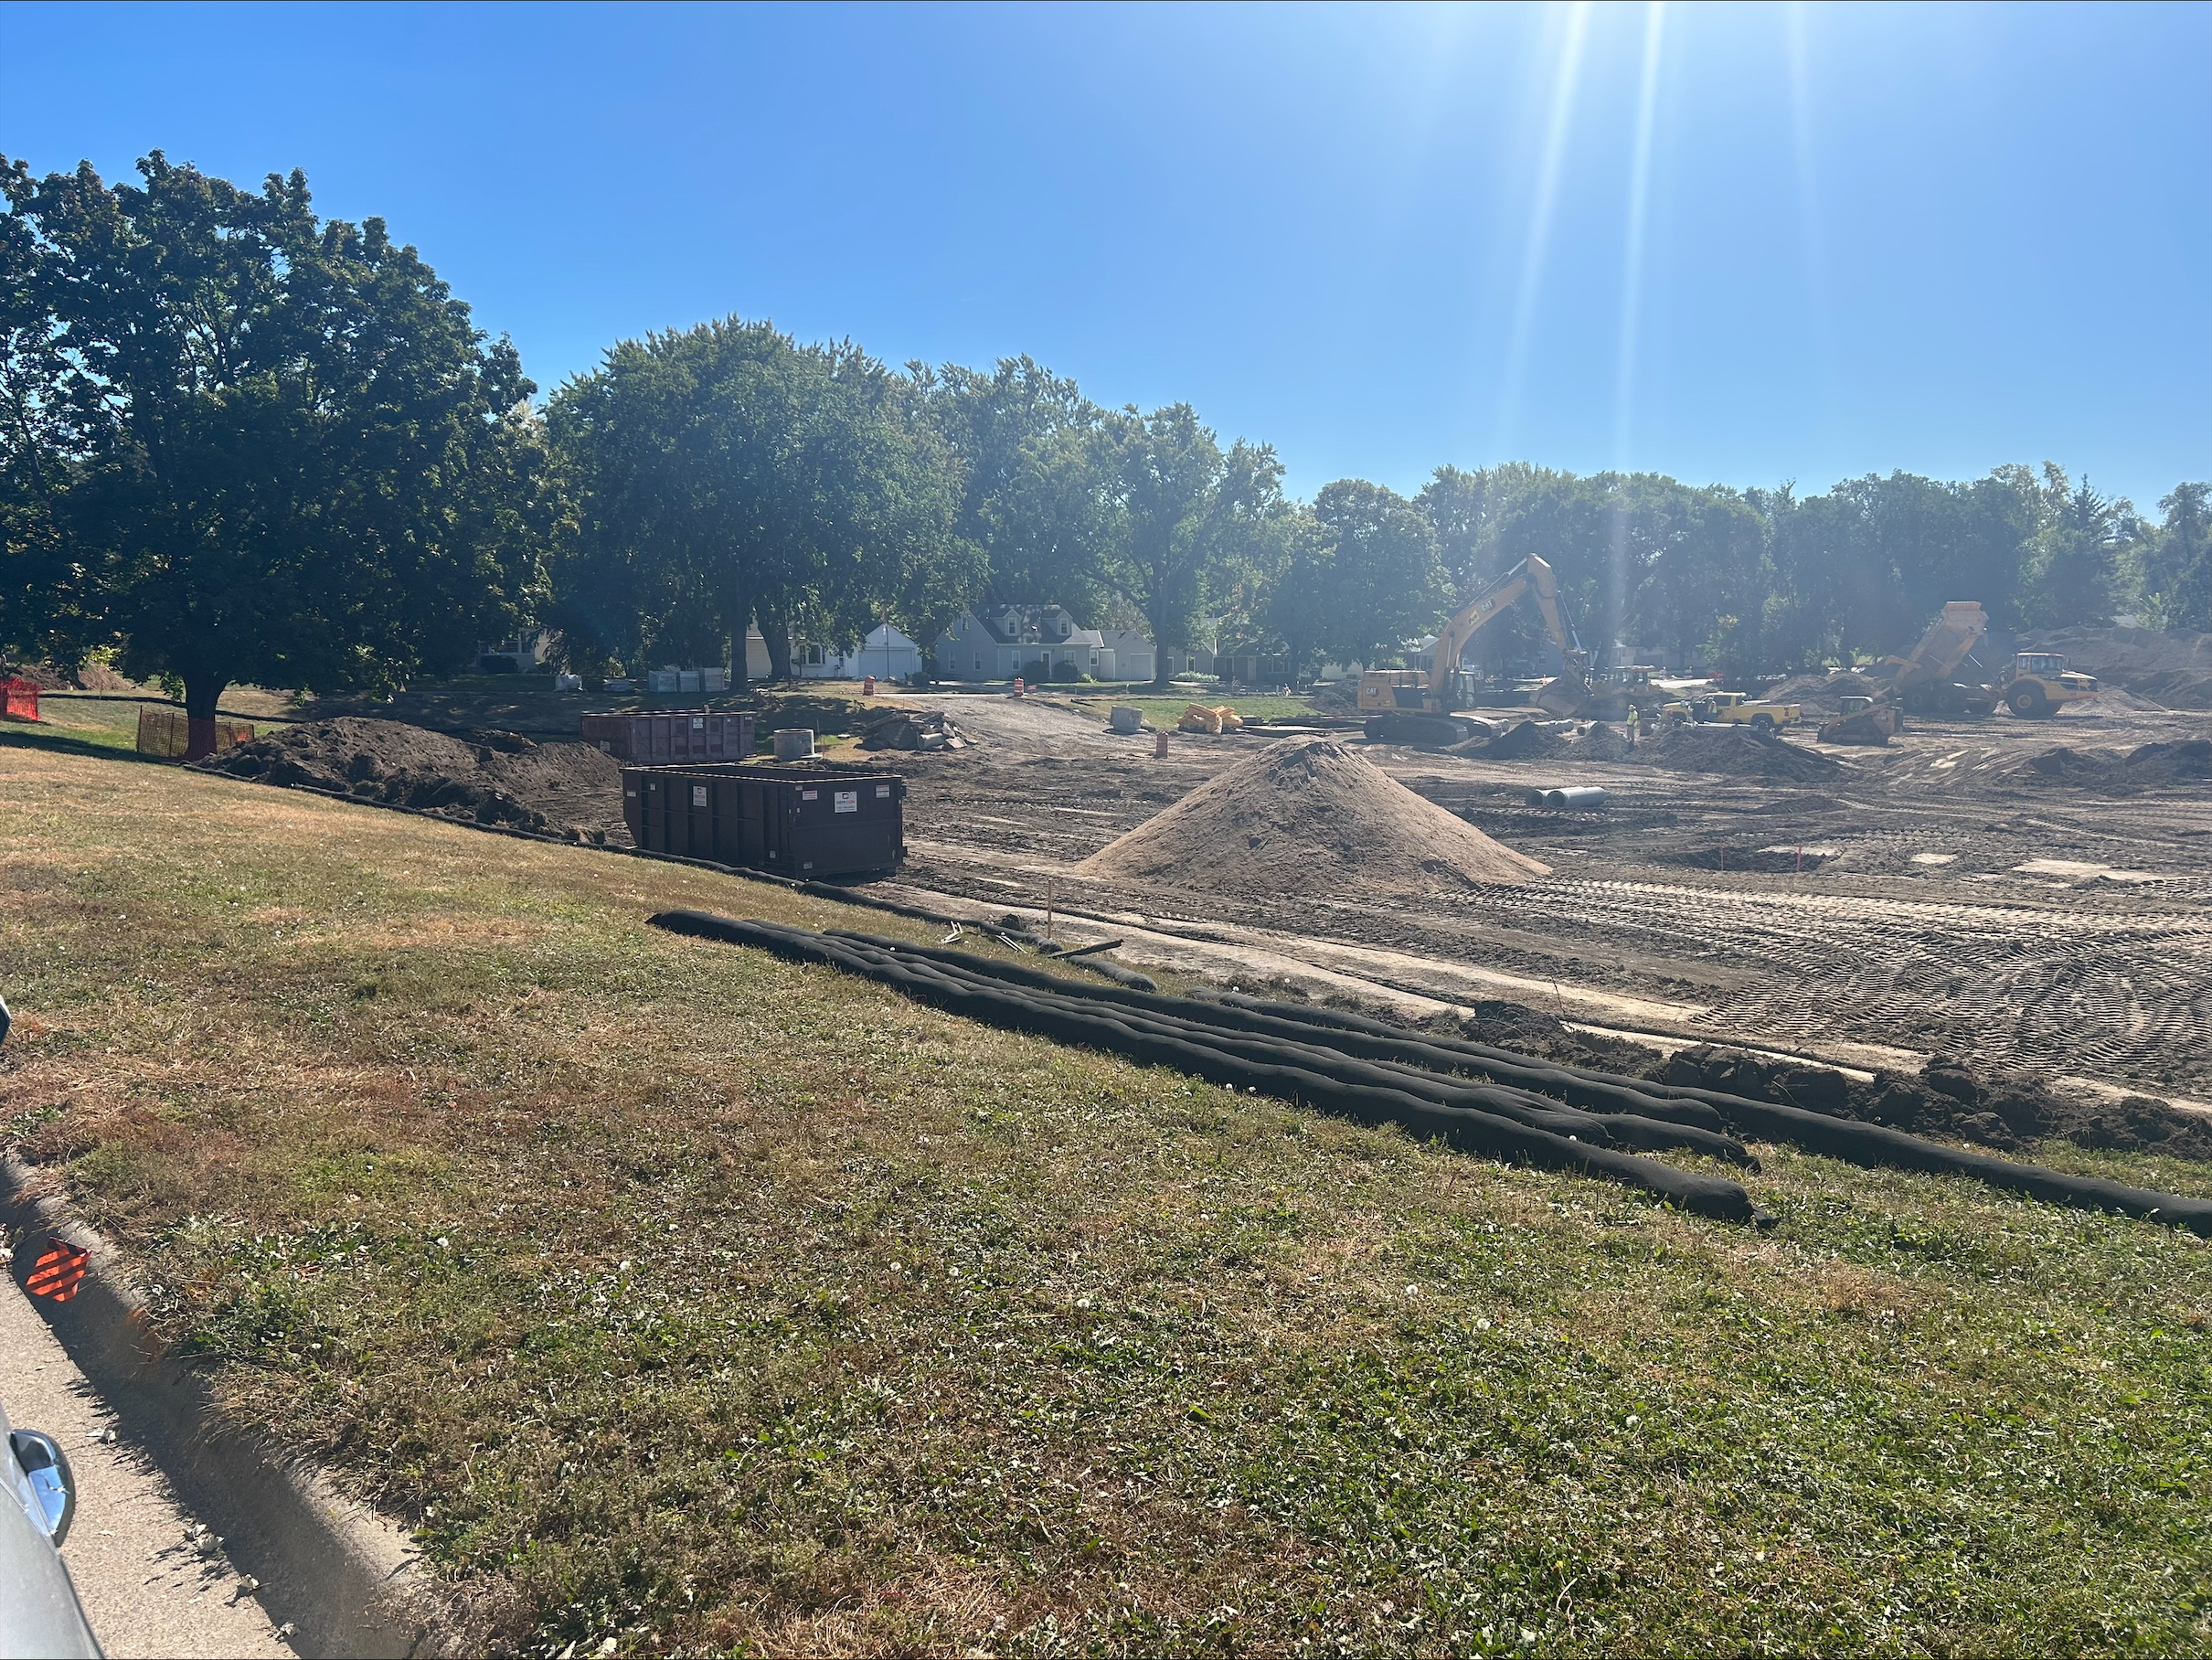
[(202, 692), (738, 619), (777, 633)]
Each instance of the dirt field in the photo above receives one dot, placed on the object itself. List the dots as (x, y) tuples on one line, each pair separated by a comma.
[(499, 778), (1940, 895), (2019, 894)]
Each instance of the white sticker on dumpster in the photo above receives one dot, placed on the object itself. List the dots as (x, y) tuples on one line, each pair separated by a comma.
[(849, 801), (699, 796)]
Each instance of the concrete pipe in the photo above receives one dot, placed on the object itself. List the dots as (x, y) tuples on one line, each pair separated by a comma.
[(794, 744), (1585, 798)]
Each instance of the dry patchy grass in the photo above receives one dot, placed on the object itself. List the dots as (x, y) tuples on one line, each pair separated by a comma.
[(680, 1296)]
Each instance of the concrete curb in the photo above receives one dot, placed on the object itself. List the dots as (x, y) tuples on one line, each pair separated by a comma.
[(343, 1579)]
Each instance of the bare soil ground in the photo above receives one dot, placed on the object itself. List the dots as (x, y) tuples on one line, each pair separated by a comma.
[(1942, 895), (495, 777), (2020, 895)]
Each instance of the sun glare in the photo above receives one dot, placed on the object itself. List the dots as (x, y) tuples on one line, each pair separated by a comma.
[(1540, 216)]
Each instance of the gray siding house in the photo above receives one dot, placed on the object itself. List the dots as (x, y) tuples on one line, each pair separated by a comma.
[(999, 642)]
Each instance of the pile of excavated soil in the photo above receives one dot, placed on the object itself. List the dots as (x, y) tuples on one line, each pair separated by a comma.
[(1308, 817), (1947, 1098), (2152, 766), (1736, 751), (1525, 742), (561, 788), (1823, 691), (1604, 742)]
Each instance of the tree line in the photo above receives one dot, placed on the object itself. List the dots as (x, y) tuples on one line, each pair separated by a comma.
[(242, 443)]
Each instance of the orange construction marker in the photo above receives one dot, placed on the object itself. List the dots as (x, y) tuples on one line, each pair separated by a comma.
[(58, 1271)]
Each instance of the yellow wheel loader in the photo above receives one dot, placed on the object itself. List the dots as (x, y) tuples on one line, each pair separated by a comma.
[(2041, 685)]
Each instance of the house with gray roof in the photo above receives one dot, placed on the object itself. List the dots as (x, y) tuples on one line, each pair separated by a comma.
[(999, 642)]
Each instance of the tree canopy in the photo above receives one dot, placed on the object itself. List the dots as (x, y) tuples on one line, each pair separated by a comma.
[(244, 444), (726, 472), (238, 442)]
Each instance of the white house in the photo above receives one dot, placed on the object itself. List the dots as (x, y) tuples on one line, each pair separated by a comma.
[(527, 652), (999, 642), (1131, 654), (885, 653)]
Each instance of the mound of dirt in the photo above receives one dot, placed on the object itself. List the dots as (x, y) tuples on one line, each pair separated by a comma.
[(2186, 761), (1825, 691), (499, 778), (1525, 741), (1949, 1097), (1308, 817), (2149, 767), (1737, 751), (1604, 742), (2172, 669)]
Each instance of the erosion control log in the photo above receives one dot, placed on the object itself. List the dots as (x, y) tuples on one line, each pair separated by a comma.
[(1543, 1112), (1872, 1145), (1473, 1096), (1086, 1015), (1592, 1091)]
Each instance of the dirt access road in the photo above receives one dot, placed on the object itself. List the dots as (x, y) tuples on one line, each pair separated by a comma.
[(1929, 897)]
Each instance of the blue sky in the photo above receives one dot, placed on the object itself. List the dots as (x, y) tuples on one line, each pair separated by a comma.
[(1737, 244)]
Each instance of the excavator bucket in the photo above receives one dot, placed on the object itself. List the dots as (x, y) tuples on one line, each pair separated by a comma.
[(1563, 698)]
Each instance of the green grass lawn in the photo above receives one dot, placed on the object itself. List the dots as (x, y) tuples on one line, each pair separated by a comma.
[(110, 719), (111, 722), (688, 1298)]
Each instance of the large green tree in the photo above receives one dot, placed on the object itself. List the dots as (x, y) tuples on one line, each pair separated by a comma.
[(247, 444), (1029, 494), (2074, 560), (1645, 561), (2177, 575), (1180, 522), (726, 472), (1296, 610), (1382, 585), (1861, 569)]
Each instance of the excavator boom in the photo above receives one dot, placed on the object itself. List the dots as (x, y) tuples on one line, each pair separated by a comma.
[(1380, 690)]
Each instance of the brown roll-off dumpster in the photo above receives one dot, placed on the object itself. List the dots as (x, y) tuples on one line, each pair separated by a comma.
[(804, 822)]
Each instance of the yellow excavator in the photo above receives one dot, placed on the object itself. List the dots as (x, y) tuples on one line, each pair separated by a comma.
[(1414, 705)]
